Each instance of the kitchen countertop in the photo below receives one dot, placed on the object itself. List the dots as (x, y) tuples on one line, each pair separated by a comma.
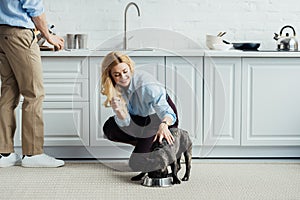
[(249, 54), (185, 52), (91, 53)]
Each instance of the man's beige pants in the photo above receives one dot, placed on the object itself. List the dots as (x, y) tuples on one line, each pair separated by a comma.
[(21, 74)]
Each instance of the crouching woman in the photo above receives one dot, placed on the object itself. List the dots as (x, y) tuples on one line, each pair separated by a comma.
[(143, 111)]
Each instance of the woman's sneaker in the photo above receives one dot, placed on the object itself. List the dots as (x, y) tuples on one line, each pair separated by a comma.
[(11, 160), (41, 160)]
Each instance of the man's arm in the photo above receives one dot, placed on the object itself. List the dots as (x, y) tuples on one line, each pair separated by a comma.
[(40, 23)]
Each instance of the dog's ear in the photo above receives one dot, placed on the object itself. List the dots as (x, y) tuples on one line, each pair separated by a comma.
[(156, 145), (164, 143), (175, 131)]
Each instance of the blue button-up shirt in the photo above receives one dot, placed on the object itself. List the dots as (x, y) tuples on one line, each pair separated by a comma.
[(145, 96), (19, 12)]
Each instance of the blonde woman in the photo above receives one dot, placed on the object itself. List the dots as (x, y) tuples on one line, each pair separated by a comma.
[(143, 111)]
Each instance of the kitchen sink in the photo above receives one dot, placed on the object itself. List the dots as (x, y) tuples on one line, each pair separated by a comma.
[(142, 49), (135, 49)]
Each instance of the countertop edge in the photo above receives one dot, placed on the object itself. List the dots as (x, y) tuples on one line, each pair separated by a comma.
[(175, 53), (96, 53)]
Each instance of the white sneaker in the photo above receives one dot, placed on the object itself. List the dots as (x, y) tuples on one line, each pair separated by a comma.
[(11, 160), (41, 160)]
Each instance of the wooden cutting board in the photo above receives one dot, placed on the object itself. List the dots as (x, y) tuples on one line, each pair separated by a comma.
[(46, 48)]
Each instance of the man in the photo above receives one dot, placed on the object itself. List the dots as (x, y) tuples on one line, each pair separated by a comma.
[(21, 74)]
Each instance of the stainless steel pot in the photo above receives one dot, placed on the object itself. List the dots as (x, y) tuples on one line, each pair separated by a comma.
[(286, 42)]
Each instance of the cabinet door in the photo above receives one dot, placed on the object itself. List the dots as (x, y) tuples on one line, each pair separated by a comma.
[(152, 65), (58, 90), (271, 97), (65, 78), (222, 102), (98, 113), (65, 67), (65, 124), (185, 86)]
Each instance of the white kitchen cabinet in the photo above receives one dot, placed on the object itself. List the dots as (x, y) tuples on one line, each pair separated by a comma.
[(66, 103), (64, 124), (65, 67), (66, 79), (233, 103), (98, 113), (270, 108), (66, 90), (184, 82), (222, 101)]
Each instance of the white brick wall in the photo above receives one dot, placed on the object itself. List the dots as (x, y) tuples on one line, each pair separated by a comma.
[(242, 19)]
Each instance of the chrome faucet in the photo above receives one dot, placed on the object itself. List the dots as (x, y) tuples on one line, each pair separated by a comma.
[(125, 21)]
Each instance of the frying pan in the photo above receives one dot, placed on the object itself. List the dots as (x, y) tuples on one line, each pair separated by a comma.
[(246, 46)]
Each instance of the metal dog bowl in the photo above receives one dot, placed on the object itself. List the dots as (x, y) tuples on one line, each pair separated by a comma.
[(157, 182)]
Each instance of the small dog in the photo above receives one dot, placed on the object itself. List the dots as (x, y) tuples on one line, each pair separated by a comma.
[(182, 145)]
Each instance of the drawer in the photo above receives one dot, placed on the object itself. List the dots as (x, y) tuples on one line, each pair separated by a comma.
[(66, 124), (66, 89), (65, 67)]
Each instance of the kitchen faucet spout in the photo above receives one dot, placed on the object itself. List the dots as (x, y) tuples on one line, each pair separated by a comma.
[(125, 21)]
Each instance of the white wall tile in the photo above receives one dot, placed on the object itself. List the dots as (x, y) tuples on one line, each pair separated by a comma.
[(242, 19)]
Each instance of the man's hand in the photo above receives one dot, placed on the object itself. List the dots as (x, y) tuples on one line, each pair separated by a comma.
[(56, 41), (40, 23)]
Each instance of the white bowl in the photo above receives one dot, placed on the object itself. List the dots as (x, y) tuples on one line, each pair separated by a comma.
[(211, 40), (222, 47), (211, 37)]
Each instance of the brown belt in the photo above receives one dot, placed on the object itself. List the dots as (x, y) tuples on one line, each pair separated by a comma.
[(21, 27)]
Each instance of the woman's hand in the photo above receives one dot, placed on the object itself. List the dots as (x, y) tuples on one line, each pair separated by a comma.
[(164, 132), (116, 104), (119, 107)]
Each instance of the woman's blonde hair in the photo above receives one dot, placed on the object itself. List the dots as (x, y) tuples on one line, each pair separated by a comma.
[(108, 86)]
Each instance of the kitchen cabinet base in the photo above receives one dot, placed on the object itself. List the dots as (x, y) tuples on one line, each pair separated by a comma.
[(124, 152)]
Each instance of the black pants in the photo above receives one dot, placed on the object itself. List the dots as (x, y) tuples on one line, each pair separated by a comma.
[(141, 131)]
